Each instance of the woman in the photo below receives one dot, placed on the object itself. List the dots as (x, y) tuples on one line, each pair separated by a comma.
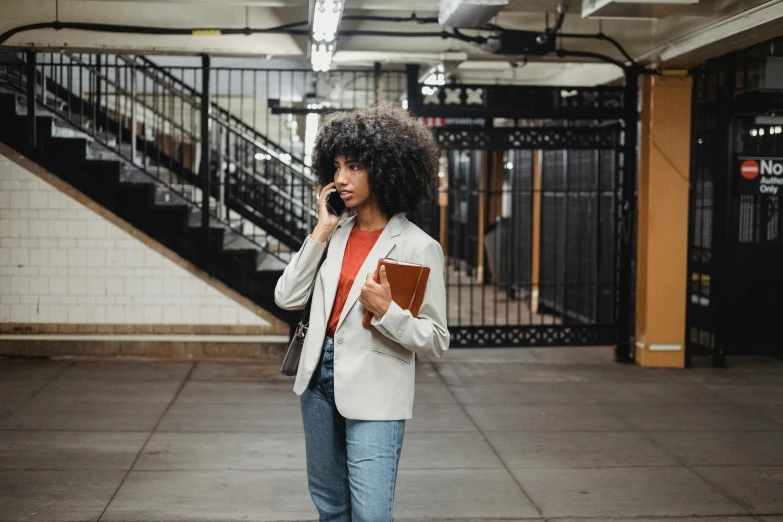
[(356, 384)]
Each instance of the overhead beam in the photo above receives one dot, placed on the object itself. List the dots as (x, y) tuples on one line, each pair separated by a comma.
[(743, 29)]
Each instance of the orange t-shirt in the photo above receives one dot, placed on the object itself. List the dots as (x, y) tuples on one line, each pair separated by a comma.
[(360, 243)]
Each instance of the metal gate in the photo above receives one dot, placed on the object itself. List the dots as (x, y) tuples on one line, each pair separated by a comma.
[(536, 206), (535, 212), (735, 294)]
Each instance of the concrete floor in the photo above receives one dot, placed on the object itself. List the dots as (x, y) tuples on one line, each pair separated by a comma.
[(559, 434)]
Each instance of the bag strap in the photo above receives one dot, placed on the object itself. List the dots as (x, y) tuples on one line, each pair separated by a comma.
[(306, 311)]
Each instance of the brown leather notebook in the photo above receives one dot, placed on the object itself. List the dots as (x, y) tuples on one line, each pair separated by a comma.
[(407, 282)]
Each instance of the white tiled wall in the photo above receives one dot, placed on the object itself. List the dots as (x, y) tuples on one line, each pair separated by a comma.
[(60, 262)]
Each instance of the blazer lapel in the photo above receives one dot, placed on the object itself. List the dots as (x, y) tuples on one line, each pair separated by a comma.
[(383, 246), (333, 263)]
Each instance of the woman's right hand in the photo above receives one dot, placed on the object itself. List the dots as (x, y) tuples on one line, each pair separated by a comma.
[(327, 221)]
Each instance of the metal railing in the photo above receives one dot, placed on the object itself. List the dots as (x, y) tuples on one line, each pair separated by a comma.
[(176, 83), (137, 113)]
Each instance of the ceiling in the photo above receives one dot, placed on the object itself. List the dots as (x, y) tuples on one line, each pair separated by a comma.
[(709, 28)]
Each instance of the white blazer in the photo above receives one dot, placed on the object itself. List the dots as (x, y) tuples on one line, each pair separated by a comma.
[(373, 368)]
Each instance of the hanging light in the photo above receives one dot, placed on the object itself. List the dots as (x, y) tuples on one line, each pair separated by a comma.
[(311, 129), (432, 78), (326, 17), (321, 56), (435, 75)]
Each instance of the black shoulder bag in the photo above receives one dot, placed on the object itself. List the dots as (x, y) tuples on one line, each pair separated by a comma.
[(291, 359)]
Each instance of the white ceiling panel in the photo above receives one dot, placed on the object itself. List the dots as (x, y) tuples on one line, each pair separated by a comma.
[(709, 28)]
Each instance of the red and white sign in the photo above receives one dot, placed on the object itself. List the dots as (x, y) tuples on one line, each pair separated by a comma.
[(434, 122), (760, 176), (440, 121), (749, 169)]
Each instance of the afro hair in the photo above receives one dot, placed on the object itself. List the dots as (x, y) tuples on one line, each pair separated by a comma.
[(399, 152)]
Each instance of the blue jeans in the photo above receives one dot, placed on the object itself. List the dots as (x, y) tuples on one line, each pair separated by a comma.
[(351, 464)]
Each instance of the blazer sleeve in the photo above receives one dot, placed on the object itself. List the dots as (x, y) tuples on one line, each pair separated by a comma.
[(426, 334), (293, 287)]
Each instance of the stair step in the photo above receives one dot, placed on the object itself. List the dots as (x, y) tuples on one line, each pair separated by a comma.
[(62, 131), (102, 153), (278, 261), (276, 245), (243, 256), (134, 174), (72, 150), (174, 195), (105, 147), (235, 241), (194, 220), (20, 106)]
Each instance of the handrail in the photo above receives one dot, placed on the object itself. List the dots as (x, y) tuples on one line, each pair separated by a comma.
[(249, 139), (252, 139), (245, 132), (242, 131), (114, 102), (255, 175), (149, 63), (121, 91), (135, 98), (274, 187)]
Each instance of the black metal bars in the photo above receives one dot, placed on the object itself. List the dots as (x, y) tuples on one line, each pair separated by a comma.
[(206, 146), (31, 82), (626, 214), (539, 252), (735, 285)]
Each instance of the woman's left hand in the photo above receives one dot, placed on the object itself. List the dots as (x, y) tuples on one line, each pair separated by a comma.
[(376, 297)]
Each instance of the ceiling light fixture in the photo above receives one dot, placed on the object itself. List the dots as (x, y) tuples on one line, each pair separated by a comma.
[(325, 18), (435, 76), (312, 121)]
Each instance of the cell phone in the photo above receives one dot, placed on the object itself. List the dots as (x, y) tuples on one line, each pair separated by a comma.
[(335, 204)]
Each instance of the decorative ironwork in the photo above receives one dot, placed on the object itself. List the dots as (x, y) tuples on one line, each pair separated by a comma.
[(531, 336), (578, 197), (533, 138), (734, 243), (515, 101)]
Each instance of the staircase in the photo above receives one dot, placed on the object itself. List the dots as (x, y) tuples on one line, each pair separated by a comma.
[(108, 138)]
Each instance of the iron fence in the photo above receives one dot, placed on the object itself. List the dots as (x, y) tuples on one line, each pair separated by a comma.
[(735, 285)]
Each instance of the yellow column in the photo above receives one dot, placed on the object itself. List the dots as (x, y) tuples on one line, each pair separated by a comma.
[(663, 221), (536, 239)]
